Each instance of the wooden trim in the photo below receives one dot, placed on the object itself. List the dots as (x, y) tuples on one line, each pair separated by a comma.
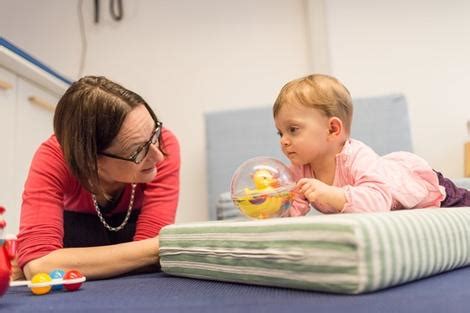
[(41, 103), (467, 159), (5, 85)]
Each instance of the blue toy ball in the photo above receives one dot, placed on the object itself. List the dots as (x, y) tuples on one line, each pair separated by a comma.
[(57, 275)]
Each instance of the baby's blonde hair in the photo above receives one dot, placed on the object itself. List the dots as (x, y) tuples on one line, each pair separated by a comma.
[(321, 92)]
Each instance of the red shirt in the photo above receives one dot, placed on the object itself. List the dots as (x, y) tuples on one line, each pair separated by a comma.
[(51, 188)]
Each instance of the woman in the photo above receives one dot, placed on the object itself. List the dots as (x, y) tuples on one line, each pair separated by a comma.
[(100, 189)]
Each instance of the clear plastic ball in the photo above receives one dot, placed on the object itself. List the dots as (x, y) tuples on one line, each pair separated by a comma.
[(262, 188)]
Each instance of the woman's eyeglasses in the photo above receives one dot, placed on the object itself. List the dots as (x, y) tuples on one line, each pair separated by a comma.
[(141, 152)]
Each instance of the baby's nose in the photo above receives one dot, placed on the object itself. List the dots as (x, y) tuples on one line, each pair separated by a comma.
[(284, 141)]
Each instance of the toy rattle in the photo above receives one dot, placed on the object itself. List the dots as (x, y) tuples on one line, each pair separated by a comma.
[(43, 283), (262, 188)]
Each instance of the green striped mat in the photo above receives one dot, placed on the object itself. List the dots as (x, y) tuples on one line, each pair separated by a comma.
[(344, 253)]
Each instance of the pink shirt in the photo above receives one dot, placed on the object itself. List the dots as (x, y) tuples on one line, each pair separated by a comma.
[(399, 180)]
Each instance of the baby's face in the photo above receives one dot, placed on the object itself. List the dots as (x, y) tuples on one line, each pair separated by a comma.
[(304, 133)]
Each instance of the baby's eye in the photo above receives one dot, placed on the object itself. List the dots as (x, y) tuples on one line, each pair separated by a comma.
[(279, 133), (293, 129)]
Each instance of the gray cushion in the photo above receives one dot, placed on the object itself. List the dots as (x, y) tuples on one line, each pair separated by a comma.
[(233, 137), (383, 123), (462, 182), (341, 253)]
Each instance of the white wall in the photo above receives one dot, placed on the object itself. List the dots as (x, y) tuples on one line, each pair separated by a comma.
[(183, 57), (420, 48)]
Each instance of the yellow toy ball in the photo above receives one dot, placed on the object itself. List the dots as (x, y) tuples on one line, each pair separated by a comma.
[(262, 188), (41, 280)]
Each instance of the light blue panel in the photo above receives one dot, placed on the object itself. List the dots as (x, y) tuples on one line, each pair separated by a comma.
[(233, 137), (383, 123), (462, 182)]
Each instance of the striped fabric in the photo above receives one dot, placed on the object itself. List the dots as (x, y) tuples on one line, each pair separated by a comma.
[(344, 253)]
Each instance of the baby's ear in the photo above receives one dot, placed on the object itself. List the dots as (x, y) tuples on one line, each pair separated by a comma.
[(335, 126)]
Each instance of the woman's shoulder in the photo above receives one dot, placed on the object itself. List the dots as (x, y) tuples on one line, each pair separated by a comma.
[(171, 143), (48, 167), (169, 136), (50, 150), (49, 157)]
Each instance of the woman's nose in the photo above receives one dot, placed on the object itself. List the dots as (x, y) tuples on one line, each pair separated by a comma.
[(155, 153)]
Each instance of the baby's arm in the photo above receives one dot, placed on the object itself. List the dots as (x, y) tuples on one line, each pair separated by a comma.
[(367, 196), (326, 198)]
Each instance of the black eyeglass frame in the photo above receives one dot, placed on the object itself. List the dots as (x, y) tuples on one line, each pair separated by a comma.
[(133, 158)]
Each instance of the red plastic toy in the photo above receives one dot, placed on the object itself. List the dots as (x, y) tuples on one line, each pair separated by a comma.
[(41, 283), (7, 252)]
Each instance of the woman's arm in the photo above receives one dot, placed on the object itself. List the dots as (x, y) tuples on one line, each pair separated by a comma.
[(99, 262), (161, 195)]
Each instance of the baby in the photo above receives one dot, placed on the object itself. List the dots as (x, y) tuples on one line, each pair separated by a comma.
[(336, 173)]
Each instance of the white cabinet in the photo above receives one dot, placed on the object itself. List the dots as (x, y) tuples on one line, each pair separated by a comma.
[(26, 121), (34, 117), (7, 139), (28, 96)]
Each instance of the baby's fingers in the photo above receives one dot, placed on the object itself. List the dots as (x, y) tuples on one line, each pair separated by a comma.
[(303, 183)]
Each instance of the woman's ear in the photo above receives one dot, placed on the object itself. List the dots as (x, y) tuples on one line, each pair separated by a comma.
[(335, 126)]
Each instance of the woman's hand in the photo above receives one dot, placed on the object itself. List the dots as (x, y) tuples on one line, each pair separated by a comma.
[(16, 272)]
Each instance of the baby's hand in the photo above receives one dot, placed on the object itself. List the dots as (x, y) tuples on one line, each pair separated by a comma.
[(326, 198), (312, 189)]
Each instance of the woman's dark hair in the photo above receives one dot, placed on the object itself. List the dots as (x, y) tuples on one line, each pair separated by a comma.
[(87, 119)]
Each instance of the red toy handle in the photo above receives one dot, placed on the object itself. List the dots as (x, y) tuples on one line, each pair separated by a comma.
[(10, 248), (5, 268), (7, 253)]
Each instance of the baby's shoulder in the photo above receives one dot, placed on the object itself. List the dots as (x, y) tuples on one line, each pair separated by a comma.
[(356, 151)]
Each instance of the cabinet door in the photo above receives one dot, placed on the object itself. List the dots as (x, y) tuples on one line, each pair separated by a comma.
[(7, 129), (33, 126)]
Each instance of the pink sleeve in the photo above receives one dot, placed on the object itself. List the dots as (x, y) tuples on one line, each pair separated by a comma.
[(161, 195), (300, 205), (368, 192), (41, 222)]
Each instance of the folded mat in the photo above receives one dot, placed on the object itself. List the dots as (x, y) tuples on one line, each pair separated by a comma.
[(343, 253)]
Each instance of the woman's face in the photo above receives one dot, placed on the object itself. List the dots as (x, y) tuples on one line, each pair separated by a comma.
[(136, 132)]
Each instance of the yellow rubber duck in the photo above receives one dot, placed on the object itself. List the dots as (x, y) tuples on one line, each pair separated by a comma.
[(262, 201)]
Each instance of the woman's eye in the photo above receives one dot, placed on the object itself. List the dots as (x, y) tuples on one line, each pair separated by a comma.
[(131, 153)]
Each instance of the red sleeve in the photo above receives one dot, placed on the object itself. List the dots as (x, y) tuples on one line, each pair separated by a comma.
[(41, 222), (161, 195)]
